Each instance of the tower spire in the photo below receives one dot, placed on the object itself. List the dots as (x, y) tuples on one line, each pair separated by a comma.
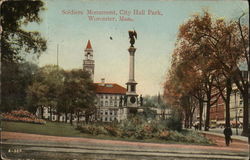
[(88, 45), (88, 62)]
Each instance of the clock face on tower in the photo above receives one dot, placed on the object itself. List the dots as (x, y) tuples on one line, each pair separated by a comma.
[(133, 99)]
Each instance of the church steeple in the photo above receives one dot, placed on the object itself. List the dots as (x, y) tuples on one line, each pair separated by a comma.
[(88, 62)]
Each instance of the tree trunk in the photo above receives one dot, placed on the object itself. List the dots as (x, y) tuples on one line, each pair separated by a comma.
[(58, 117), (71, 118), (226, 99), (78, 117), (191, 121), (66, 117), (87, 119), (186, 119), (201, 112), (245, 115), (50, 117), (244, 92), (208, 114), (42, 112)]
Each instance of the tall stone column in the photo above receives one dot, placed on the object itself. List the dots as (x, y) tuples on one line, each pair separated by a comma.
[(131, 84)]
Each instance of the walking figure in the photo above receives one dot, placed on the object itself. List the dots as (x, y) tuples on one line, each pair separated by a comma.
[(228, 134)]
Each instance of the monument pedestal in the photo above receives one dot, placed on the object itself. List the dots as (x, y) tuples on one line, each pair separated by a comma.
[(131, 95)]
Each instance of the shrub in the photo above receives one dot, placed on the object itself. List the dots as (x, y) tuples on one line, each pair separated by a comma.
[(112, 130), (176, 136), (139, 134), (92, 129), (174, 124), (164, 135), (22, 116)]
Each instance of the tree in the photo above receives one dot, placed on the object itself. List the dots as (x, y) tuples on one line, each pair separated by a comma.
[(227, 45), (77, 95), (16, 42), (17, 77), (36, 97), (45, 89)]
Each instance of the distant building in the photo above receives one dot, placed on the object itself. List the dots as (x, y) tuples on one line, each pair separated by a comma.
[(218, 110), (109, 101)]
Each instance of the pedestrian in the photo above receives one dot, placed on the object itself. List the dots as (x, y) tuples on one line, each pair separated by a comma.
[(228, 134)]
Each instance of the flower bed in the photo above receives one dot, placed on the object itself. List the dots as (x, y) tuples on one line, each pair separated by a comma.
[(142, 130), (22, 116)]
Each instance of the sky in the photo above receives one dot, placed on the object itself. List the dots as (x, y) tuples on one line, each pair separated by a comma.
[(66, 24)]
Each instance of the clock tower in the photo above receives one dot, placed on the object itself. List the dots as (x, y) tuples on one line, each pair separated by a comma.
[(88, 62)]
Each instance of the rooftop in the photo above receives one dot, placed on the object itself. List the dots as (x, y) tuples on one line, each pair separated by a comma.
[(110, 88)]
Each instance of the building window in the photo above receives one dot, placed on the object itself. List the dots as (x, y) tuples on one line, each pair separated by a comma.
[(101, 104), (115, 103), (106, 119), (106, 103), (132, 88), (111, 113), (115, 98), (101, 96), (106, 97), (106, 112), (111, 102)]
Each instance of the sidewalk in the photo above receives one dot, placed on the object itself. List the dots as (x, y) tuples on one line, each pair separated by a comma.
[(236, 137), (84, 148)]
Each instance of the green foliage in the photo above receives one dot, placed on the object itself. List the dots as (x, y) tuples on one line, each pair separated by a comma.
[(174, 123), (45, 89), (15, 79), (92, 129), (16, 41), (15, 44)]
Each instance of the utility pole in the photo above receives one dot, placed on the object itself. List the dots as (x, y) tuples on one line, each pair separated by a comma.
[(57, 50)]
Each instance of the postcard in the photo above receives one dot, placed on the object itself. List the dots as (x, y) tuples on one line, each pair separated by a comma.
[(117, 79)]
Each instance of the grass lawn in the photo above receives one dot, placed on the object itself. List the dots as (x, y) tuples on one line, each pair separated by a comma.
[(50, 128), (67, 130)]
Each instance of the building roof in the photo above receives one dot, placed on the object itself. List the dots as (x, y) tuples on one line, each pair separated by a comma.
[(88, 45), (110, 88)]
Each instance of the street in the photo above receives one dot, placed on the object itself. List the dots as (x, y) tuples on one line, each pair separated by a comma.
[(23, 146)]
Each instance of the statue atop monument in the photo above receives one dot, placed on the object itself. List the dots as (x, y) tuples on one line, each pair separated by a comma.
[(132, 36)]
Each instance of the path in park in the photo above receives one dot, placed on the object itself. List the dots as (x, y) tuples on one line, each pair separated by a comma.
[(46, 147)]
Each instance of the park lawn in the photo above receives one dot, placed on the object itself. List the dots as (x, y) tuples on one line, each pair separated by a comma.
[(67, 130), (50, 128)]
